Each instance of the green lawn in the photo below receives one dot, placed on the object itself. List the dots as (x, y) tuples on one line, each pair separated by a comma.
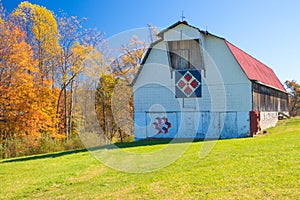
[(266, 167)]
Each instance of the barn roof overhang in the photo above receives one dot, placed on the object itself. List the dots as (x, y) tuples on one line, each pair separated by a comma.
[(269, 86)]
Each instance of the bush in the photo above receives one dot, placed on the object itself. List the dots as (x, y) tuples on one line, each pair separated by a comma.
[(29, 145), (73, 143), (25, 146)]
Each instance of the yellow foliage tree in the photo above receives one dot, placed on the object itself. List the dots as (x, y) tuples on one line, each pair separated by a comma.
[(42, 34), (114, 100)]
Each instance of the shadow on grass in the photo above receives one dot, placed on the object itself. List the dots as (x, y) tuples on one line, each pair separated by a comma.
[(150, 142), (43, 156)]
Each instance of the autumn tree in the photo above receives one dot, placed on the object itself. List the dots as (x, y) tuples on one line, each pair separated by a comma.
[(42, 32), (2, 13), (105, 116), (77, 43), (127, 65), (16, 78), (114, 96), (60, 46), (26, 107), (122, 109), (294, 103)]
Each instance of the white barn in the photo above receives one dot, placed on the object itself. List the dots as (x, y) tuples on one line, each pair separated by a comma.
[(192, 84)]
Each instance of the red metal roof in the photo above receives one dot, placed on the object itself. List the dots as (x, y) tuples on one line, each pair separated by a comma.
[(254, 69)]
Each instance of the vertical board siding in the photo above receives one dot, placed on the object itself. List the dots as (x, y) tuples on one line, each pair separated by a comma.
[(269, 99)]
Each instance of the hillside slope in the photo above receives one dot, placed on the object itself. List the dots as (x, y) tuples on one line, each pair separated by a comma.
[(252, 168)]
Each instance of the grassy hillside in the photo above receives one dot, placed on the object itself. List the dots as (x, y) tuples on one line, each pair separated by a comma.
[(254, 168)]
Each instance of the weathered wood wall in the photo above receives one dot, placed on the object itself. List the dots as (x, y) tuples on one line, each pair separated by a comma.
[(269, 99)]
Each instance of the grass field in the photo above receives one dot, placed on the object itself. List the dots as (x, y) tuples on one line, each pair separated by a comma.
[(266, 167)]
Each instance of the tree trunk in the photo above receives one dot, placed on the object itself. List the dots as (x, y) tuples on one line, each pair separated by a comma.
[(66, 114), (292, 112), (121, 136), (71, 109)]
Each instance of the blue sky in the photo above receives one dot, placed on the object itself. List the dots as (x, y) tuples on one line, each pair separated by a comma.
[(269, 30)]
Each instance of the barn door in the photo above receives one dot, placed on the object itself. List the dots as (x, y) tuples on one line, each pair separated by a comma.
[(223, 125), (230, 127), (215, 125), (189, 124)]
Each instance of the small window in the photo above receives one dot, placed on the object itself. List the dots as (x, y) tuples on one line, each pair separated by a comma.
[(185, 54)]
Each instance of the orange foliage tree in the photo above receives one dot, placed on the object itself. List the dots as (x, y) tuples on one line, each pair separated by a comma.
[(27, 109)]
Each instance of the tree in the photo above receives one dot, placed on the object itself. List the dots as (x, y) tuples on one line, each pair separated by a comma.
[(127, 65), (294, 91), (60, 46), (2, 13), (76, 45), (42, 32), (114, 101), (104, 95), (26, 108), (16, 79)]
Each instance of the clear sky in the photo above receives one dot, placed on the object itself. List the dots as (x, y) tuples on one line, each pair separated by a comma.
[(268, 30)]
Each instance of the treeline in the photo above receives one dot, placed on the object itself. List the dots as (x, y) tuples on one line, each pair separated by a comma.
[(42, 57)]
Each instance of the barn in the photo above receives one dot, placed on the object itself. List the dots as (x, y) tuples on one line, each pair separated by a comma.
[(193, 84)]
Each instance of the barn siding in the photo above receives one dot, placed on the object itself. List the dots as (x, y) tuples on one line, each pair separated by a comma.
[(237, 86), (209, 125), (182, 32), (268, 102), (269, 99)]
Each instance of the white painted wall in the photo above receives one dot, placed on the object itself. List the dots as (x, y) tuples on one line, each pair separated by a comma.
[(183, 32), (268, 120), (237, 86), (156, 68)]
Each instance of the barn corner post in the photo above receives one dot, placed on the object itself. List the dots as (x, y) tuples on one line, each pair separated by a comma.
[(254, 123)]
